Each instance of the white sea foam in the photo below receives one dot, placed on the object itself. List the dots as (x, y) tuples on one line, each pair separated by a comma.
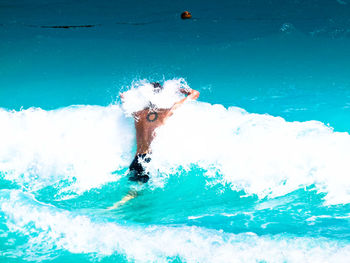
[(260, 154), (48, 228), (82, 144), (141, 94)]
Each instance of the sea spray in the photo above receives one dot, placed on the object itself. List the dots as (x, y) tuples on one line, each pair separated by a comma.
[(259, 154), (81, 144), (141, 95)]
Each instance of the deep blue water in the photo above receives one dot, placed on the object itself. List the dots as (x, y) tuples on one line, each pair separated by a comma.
[(256, 171)]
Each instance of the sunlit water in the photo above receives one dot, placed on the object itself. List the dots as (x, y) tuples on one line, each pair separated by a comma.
[(257, 170)]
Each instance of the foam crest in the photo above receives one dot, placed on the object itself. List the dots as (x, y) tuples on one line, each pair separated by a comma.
[(141, 94), (48, 228), (259, 154), (81, 144)]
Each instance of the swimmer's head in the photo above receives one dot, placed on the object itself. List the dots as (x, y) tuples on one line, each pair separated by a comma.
[(157, 87)]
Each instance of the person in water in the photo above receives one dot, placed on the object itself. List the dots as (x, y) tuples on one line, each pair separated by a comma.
[(146, 122)]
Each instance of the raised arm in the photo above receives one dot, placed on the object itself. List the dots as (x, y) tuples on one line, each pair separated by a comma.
[(191, 95)]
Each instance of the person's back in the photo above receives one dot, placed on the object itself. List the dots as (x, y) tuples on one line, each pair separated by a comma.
[(146, 121)]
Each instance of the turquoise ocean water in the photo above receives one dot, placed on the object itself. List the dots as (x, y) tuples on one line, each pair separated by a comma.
[(256, 171)]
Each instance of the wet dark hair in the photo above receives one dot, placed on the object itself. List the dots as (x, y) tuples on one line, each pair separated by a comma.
[(157, 87)]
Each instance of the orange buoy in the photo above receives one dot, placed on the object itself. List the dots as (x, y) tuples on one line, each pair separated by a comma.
[(186, 15)]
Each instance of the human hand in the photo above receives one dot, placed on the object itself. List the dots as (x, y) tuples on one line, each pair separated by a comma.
[(185, 91), (194, 94)]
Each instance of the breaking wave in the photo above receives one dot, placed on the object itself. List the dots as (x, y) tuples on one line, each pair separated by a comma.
[(88, 146)]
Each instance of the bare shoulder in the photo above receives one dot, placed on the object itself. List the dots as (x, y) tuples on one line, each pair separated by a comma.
[(163, 111), (138, 114), (151, 115)]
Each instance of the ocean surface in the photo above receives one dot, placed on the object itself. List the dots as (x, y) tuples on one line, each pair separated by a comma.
[(256, 170)]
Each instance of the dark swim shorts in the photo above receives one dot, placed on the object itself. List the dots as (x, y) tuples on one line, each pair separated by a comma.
[(137, 171)]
